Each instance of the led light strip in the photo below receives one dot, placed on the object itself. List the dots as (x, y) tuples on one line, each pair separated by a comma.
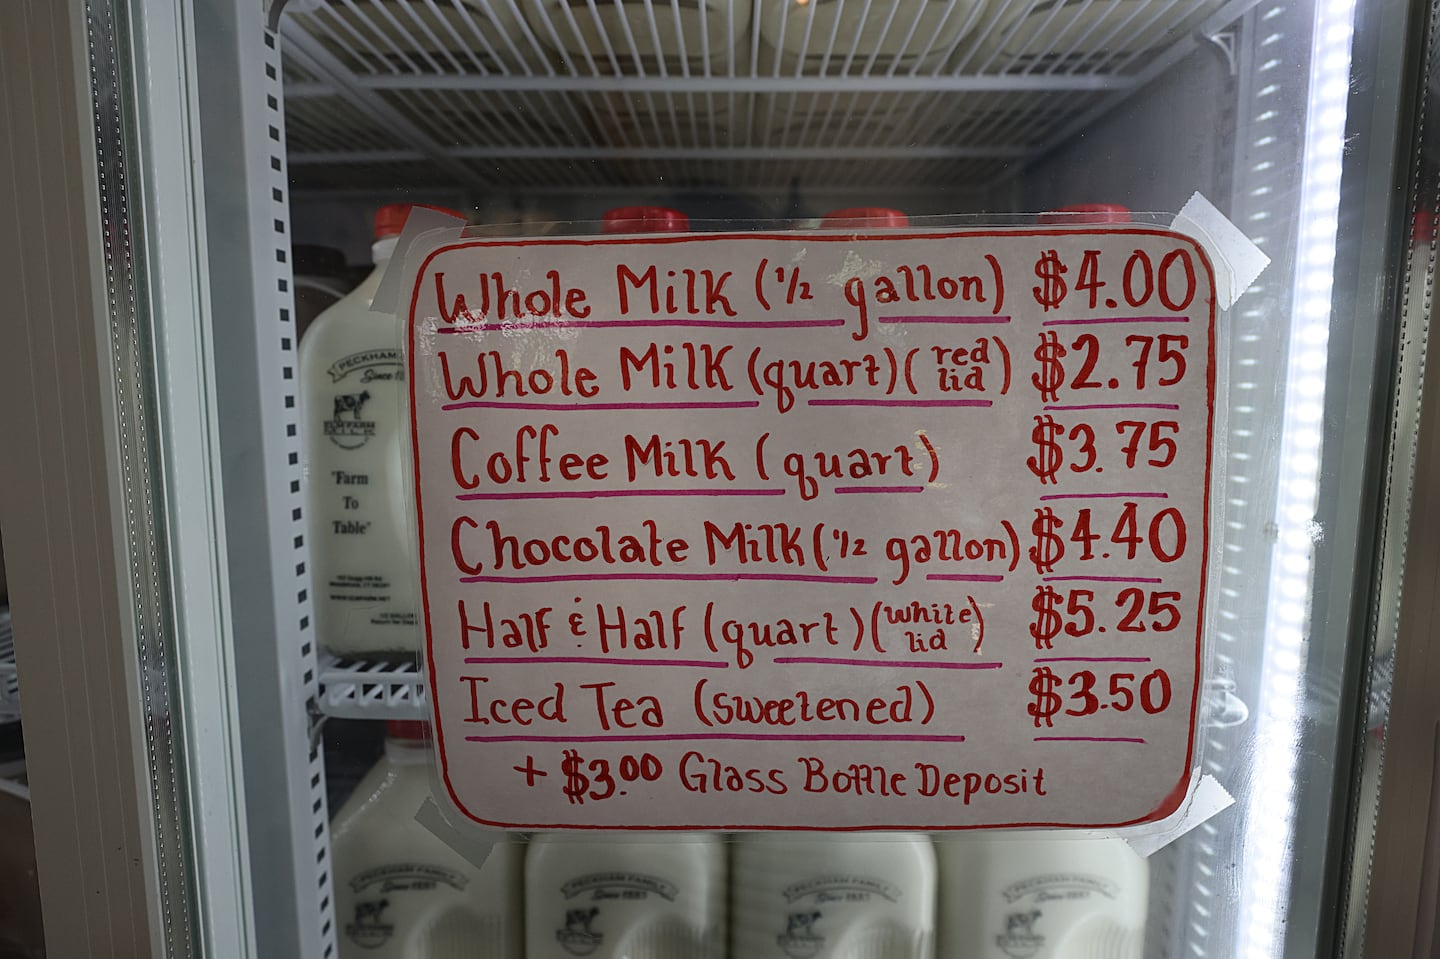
[(1270, 806)]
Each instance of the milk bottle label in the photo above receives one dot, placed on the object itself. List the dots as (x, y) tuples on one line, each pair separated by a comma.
[(385, 892), (586, 901), (809, 903), (350, 426), (1027, 903), (908, 530)]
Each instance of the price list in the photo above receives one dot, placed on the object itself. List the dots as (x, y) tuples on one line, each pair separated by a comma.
[(814, 531)]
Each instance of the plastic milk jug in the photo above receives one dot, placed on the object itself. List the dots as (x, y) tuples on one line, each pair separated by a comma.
[(833, 896), (1042, 895), (400, 891), (614, 896), (355, 439)]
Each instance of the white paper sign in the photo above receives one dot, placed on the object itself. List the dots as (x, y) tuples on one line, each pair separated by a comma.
[(815, 531)]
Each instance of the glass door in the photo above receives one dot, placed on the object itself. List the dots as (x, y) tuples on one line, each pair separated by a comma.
[(275, 760)]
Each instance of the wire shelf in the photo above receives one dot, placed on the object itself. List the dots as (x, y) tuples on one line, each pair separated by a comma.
[(9, 676), (553, 95), (360, 689)]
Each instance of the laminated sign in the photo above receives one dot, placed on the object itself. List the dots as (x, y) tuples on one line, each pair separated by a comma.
[(815, 531)]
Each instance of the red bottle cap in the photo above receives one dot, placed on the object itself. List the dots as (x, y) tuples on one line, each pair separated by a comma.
[(644, 219), (1087, 213), (1423, 229), (390, 218), (864, 218), (407, 729)]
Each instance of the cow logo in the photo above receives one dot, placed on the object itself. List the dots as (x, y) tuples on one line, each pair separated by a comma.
[(1020, 940), (800, 940), (346, 426), (576, 937), (370, 930)]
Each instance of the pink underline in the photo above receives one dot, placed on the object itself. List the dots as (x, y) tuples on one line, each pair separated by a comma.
[(1088, 739), (1117, 406), (828, 661), (880, 489), (1102, 579), (602, 493), (1107, 496), (689, 737), (944, 319), (581, 407), (913, 403), (681, 577), (1119, 319), (597, 661), (965, 577), (1085, 659), (619, 324)]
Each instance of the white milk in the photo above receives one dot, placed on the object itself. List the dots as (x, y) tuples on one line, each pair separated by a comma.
[(402, 892), (1041, 895), (833, 896), (611, 896), (355, 446)]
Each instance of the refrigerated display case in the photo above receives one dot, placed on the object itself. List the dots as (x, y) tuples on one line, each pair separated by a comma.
[(187, 739)]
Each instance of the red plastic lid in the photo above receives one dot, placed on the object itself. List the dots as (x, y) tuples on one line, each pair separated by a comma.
[(407, 729), (644, 219), (1423, 229), (390, 218), (1087, 213), (864, 217)]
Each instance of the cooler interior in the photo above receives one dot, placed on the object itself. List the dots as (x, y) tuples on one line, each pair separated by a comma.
[(529, 116)]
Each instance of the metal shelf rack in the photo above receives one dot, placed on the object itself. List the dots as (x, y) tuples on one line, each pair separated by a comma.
[(555, 96), (360, 689)]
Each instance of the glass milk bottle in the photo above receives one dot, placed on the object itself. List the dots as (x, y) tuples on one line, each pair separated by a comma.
[(400, 891), (833, 896), (616, 896), (1041, 895), (356, 444)]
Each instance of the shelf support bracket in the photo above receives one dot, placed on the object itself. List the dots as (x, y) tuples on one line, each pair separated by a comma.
[(1226, 42)]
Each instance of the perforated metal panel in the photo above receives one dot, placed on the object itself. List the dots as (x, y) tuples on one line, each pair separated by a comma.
[(248, 237)]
